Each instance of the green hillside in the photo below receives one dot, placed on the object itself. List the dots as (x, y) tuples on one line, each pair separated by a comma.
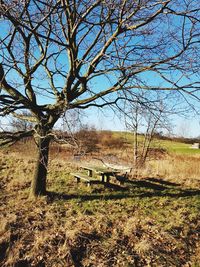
[(170, 145)]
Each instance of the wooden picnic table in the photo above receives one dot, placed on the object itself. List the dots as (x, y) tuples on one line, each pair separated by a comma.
[(104, 173)]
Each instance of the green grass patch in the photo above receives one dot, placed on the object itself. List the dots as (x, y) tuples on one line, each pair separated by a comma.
[(146, 222), (170, 145)]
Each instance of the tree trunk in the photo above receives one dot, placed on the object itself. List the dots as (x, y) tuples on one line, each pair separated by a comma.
[(38, 186), (135, 149)]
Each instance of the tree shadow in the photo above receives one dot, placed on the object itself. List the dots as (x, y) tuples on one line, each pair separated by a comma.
[(149, 182), (160, 181), (112, 187), (115, 187), (141, 190), (146, 184), (148, 187)]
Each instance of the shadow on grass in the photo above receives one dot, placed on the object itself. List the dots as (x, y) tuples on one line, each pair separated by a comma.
[(135, 189), (146, 184), (163, 182)]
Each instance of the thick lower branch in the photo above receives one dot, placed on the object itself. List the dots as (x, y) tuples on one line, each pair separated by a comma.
[(9, 138)]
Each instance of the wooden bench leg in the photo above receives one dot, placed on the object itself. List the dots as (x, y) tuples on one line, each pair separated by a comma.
[(90, 173), (78, 180), (107, 178)]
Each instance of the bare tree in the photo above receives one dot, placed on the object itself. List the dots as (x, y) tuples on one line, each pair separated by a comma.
[(145, 121), (58, 55), (22, 122)]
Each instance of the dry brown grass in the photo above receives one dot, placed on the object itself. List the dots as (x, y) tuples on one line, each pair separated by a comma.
[(178, 169), (80, 226)]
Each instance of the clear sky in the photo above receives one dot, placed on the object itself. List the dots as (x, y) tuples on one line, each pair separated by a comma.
[(108, 120)]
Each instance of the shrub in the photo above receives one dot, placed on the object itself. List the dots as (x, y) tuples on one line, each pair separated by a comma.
[(108, 140), (87, 139)]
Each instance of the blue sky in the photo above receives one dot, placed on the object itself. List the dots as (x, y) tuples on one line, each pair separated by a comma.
[(107, 119)]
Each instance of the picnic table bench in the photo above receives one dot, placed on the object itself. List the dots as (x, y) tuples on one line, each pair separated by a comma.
[(85, 178), (103, 172)]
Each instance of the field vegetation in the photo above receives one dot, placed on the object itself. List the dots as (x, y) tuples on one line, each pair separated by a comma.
[(151, 220), (178, 145)]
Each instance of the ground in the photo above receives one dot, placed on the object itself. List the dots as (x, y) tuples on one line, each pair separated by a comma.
[(153, 220)]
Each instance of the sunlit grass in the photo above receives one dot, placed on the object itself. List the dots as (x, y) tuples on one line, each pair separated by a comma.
[(170, 145), (153, 220)]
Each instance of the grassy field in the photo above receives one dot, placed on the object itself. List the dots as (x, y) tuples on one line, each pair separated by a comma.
[(170, 145), (152, 220), (179, 148)]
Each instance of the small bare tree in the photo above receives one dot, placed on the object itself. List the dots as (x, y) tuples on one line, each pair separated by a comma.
[(144, 122), (58, 55)]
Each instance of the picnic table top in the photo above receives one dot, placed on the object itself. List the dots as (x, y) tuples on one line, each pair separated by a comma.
[(99, 169)]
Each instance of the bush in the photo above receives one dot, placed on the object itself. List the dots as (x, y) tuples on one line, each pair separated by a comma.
[(87, 139), (108, 140)]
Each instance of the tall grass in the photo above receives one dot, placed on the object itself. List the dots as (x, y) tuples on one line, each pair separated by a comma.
[(153, 220)]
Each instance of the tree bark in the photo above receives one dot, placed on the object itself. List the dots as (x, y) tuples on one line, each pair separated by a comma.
[(38, 185), (135, 149)]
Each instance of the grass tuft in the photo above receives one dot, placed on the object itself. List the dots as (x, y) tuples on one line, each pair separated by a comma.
[(153, 220)]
